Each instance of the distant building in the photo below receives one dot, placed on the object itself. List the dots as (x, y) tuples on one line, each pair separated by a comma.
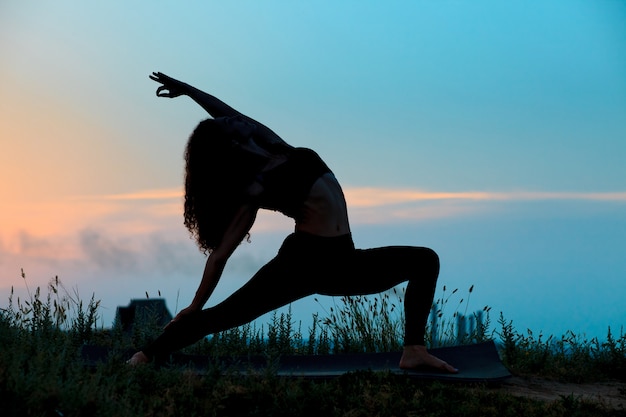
[(151, 312)]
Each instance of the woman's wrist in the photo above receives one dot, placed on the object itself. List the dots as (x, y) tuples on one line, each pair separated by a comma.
[(196, 305)]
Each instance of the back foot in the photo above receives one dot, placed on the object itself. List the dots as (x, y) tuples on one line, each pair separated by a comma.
[(137, 359)]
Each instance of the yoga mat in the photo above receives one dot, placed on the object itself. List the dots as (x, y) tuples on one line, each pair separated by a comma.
[(476, 363)]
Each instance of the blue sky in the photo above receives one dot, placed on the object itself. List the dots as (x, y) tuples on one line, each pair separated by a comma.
[(493, 132)]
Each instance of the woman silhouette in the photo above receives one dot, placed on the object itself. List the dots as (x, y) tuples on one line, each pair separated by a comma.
[(236, 166)]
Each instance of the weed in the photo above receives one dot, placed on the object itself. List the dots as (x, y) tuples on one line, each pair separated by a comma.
[(41, 372), (569, 358)]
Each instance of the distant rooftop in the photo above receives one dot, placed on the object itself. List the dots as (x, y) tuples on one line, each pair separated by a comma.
[(148, 311)]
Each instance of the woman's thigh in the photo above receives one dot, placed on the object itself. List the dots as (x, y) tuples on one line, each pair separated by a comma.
[(369, 271)]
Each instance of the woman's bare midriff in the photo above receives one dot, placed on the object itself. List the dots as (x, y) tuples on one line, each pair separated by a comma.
[(325, 212)]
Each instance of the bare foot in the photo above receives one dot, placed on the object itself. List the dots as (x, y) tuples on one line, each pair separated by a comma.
[(137, 359), (416, 356)]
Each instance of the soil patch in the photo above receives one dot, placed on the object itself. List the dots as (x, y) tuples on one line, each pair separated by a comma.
[(611, 394)]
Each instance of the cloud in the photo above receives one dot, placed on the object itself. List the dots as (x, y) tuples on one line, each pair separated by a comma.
[(374, 197), (72, 228), (370, 205), (105, 252), (159, 194), (153, 253), (547, 195), (377, 196)]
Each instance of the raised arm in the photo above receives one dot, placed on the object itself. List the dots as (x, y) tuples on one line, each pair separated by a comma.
[(215, 107)]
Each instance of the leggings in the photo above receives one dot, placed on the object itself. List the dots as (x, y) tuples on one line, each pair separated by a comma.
[(307, 264)]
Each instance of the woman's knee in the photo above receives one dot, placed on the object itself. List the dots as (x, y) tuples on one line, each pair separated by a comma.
[(432, 259), (425, 263)]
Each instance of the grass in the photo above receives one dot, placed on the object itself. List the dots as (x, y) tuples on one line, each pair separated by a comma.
[(41, 372), (569, 358)]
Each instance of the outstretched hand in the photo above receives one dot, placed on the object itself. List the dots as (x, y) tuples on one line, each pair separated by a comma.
[(171, 87)]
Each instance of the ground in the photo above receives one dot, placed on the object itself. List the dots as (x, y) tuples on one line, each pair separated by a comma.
[(612, 394)]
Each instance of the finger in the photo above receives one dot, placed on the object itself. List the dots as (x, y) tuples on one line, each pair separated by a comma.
[(160, 77), (160, 93)]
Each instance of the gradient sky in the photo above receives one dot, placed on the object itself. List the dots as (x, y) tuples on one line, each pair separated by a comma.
[(493, 132)]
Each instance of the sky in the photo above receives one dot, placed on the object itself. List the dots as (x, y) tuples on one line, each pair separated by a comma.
[(492, 132)]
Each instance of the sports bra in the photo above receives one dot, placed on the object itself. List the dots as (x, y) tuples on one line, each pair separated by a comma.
[(286, 186)]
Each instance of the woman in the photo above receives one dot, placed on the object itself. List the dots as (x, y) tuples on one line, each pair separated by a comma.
[(236, 166)]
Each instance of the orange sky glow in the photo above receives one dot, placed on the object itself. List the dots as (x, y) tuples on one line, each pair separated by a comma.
[(149, 211)]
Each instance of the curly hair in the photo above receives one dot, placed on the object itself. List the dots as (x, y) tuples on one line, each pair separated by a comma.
[(217, 174)]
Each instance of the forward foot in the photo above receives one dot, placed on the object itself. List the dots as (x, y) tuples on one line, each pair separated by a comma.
[(416, 356)]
